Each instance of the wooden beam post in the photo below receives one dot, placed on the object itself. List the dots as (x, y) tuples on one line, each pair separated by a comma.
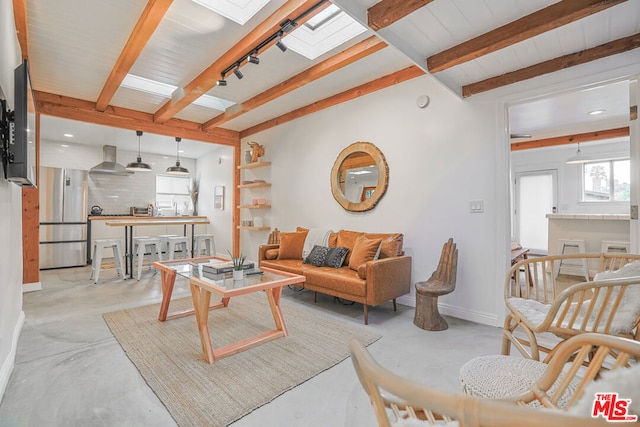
[(571, 139)]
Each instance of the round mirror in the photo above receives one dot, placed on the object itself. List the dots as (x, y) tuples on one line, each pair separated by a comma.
[(359, 177)]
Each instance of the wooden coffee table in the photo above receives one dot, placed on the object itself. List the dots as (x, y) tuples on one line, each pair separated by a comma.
[(203, 285)]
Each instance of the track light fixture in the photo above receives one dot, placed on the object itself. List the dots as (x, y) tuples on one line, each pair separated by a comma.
[(222, 81), (253, 58), (280, 44), (177, 169), (238, 73)]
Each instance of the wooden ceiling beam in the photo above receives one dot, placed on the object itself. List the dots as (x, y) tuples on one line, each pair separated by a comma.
[(85, 111), (342, 59), (142, 32), (386, 12), (348, 95), (20, 18), (552, 65), (558, 14), (207, 79), (571, 139)]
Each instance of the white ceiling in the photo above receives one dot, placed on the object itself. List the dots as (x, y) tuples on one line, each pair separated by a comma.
[(73, 46)]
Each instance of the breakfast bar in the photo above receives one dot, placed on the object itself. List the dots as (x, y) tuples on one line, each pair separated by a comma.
[(139, 221)]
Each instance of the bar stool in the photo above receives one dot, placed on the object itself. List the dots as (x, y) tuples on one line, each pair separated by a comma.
[(577, 246), (96, 263), (140, 247), (164, 241), (204, 241), (175, 241)]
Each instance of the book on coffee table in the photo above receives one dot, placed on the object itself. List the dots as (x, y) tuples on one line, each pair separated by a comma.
[(224, 267)]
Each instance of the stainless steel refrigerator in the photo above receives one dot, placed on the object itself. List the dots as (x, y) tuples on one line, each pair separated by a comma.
[(63, 217)]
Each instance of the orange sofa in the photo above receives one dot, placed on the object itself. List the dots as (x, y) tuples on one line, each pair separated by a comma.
[(370, 273)]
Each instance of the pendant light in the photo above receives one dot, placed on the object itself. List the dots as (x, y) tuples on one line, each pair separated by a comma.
[(578, 158), (138, 165), (177, 169)]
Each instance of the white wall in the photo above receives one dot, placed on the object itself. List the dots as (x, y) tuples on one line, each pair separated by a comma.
[(440, 158), (216, 169), (11, 315), (569, 176)]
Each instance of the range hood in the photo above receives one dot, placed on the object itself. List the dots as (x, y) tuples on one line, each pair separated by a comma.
[(109, 164)]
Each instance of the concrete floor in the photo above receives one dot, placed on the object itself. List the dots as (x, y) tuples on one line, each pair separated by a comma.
[(70, 370)]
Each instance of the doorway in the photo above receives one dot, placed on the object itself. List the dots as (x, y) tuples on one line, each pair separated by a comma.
[(535, 197)]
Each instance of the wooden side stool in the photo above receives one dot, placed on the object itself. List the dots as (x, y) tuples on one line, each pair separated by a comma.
[(441, 282)]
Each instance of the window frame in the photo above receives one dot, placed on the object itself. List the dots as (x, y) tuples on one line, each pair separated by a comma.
[(612, 178)]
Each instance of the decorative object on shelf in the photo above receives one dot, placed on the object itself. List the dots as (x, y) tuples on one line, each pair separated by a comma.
[(257, 151), (194, 191), (218, 197), (138, 165), (247, 223), (238, 266), (247, 156), (177, 169)]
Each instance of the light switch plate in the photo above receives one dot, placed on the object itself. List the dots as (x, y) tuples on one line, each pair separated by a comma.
[(634, 212), (476, 206)]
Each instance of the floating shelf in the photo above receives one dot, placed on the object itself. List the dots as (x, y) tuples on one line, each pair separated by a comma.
[(254, 165), (253, 228), (255, 185), (254, 206)]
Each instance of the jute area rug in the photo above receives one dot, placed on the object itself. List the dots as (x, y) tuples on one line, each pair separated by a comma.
[(169, 355)]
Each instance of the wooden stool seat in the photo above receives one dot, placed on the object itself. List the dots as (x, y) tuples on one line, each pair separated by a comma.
[(441, 282)]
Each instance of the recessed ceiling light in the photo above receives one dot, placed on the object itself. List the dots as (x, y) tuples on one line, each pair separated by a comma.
[(596, 112), (68, 135), (64, 146), (180, 151)]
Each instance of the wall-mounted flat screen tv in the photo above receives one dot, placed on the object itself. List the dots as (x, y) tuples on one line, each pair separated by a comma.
[(21, 167)]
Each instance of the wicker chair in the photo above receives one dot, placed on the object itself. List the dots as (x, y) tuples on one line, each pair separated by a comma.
[(556, 385), (537, 304), (399, 401)]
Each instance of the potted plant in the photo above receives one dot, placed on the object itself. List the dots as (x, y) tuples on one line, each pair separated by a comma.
[(238, 266)]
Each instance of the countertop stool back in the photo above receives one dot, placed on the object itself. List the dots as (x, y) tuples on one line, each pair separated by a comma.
[(98, 251)]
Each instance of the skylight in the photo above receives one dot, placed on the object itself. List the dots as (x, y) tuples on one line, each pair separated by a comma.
[(325, 31), (165, 90), (239, 11)]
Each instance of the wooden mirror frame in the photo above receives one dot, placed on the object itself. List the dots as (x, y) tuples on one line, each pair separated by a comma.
[(383, 177)]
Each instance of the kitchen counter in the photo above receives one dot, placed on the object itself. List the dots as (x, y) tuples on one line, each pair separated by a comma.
[(610, 217), (142, 217), (594, 229)]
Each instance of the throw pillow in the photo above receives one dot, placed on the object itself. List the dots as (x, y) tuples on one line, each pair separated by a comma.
[(291, 245), (347, 239), (335, 257), (364, 250), (271, 254), (317, 255)]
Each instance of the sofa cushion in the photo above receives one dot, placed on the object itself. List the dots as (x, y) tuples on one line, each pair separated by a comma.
[(347, 239), (271, 253), (317, 255), (341, 280), (294, 266), (291, 245), (391, 243), (335, 257), (364, 250)]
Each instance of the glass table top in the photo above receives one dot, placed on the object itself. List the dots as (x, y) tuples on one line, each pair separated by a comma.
[(202, 269)]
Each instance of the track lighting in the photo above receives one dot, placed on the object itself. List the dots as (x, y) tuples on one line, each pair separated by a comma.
[(253, 58), (281, 45), (222, 81), (238, 73)]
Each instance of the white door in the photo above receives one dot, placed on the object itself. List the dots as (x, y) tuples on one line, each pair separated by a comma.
[(536, 196)]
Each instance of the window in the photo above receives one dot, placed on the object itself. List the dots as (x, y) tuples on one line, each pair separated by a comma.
[(173, 195), (606, 180)]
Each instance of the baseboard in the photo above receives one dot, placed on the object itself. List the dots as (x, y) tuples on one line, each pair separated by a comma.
[(9, 362), (30, 287), (454, 311)]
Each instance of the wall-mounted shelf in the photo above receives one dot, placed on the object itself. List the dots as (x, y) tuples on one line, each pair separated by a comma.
[(254, 206), (240, 227), (254, 165), (255, 185)]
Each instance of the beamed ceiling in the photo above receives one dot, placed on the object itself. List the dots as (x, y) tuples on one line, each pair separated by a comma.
[(80, 52)]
